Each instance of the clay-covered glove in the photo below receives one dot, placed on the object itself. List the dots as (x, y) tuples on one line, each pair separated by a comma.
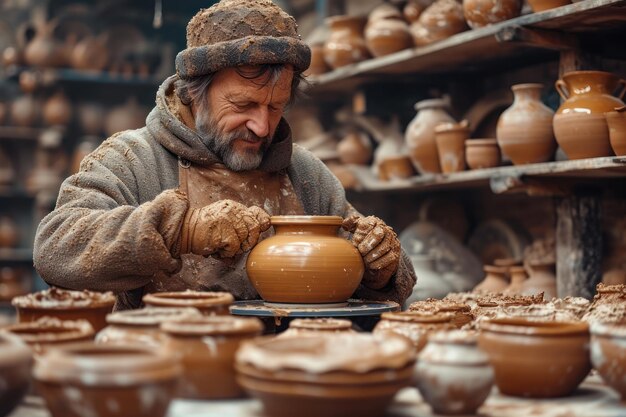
[(225, 228), (379, 246)]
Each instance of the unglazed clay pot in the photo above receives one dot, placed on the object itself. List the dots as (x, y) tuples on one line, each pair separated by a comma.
[(208, 302), (480, 13), (542, 279), (395, 168), (49, 332), (518, 276), (206, 348), (616, 120), (305, 262), (65, 305), (15, 362), (482, 153), (142, 326), (355, 148), (495, 279), (420, 134), (608, 354), (9, 234), (542, 5), (580, 126), (345, 45), (414, 326), (524, 130), (439, 21), (539, 359), (453, 375), (106, 381), (331, 375), (450, 139), (386, 36), (57, 110)]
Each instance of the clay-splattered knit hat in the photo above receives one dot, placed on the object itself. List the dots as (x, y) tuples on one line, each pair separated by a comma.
[(232, 33)]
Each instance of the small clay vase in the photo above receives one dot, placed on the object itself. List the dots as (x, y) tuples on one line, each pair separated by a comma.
[(616, 120), (543, 5), (450, 139), (454, 353), (524, 130), (50, 333), (355, 148), (437, 22), (542, 279), (580, 126), (482, 153), (57, 110), (9, 234), (608, 354), (518, 277), (107, 380), (127, 116), (44, 50), (16, 359), (318, 64), (414, 326), (328, 271), (395, 167), (537, 359), (209, 303), (345, 44), (388, 35), (206, 348), (420, 134), (495, 280), (480, 13), (12, 283)]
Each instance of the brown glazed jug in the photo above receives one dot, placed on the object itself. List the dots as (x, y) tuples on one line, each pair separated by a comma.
[(580, 126), (420, 134), (479, 13), (346, 44), (450, 139), (617, 130), (524, 130)]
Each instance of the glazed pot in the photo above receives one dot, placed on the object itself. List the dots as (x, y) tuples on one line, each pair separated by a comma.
[(437, 22), (395, 168), (16, 359), (65, 305), (518, 277), (9, 234), (355, 148), (616, 120), (209, 303), (386, 36), (420, 134), (142, 326), (539, 359), (305, 262), (414, 326), (318, 64), (543, 5), (450, 139), (48, 332), (206, 348), (452, 374), (106, 381), (608, 354), (57, 110), (580, 126), (482, 153), (345, 45), (331, 375), (495, 279), (542, 279), (524, 130), (480, 13)]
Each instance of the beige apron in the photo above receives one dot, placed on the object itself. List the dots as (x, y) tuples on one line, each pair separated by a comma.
[(273, 192)]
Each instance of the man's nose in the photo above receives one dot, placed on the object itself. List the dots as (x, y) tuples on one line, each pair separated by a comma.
[(259, 122)]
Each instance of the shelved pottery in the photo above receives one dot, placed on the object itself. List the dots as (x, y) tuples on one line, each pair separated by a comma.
[(9, 233), (495, 279), (318, 64), (438, 21), (355, 148), (387, 34), (616, 120), (57, 110), (346, 44), (450, 139), (208, 302), (608, 354), (482, 153), (16, 359), (395, 168), (480, 13)]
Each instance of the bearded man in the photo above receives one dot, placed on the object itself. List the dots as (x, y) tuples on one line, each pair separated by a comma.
[(179, 203)]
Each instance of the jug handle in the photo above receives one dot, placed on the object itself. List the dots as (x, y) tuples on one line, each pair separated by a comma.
[(622, 82), (561, 88)]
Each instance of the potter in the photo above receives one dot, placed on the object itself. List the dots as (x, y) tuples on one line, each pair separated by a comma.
[(179, 204)]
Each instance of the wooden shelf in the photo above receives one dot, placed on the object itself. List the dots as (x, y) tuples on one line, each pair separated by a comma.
[(480, 49), (16, 255), (72, 75)]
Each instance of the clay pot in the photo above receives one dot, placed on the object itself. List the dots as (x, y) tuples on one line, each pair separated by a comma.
[(142, 326), (9, 234), (24, 111), (318, 64), (420, 134), (608, 354), (543, 5), (482, 153), (90, 54), (305, 262), (414, 326), (91, 118), (206, 348), (298, 327), (386, 36), (395, 168), (355, 148), (535, 358), (57, 110), (542, 279), (345, 45), (107, 381), (480, 13), (65, 305), (50, 333), (495, 279), (450, 139), (524, 130), (453, 375), (331, 375), (125, 117), (15, 362), (11, 284), (580, 126), (616, 120), (518, 277), (44, 50), (439, 21), (209, 303)]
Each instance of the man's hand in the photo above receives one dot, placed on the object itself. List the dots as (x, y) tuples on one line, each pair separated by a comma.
[(225, 228), (379, 246)]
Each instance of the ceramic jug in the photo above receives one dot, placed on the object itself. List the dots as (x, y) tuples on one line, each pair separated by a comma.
[(345, 45), (617, 130)]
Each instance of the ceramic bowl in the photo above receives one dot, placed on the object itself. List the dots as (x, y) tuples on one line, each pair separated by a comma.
[(105, 381), (15, 362), (539, 359), (482, 153), (208, 302), (50, 332), (608, 354)]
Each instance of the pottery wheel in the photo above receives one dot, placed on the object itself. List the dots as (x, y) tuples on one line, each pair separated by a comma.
[(352, 308)]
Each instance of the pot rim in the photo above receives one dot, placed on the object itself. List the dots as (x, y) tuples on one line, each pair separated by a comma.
[(152, 316), (189, 298), (572, 74), (431, 103), (93, 300), (52, 330), (526, 327), (306, 220), (213, 326), (481, 142)]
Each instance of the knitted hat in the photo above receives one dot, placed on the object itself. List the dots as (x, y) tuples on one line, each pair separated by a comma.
[(232, 33)]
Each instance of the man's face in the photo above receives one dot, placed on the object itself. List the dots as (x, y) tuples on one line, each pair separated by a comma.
[(241, 115)]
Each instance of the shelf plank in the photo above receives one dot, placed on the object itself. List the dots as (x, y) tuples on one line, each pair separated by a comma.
[(16, 255)]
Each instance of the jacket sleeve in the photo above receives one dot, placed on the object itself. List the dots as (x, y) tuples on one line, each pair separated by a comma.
[(99, 237)]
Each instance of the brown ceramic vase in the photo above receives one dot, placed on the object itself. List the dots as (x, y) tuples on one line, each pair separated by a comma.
[(16, 360), (386, 36), (437, 22), (608, 354), (543, 5), (305, 262), (450, 139), (616, 120), (542, 279), (346, 44), (580, 126), (539, 359), (414, 326), (208, 302), (206, 348), (482, 153), (480, 13), (495, 279), (48, 332), (106, 381)]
